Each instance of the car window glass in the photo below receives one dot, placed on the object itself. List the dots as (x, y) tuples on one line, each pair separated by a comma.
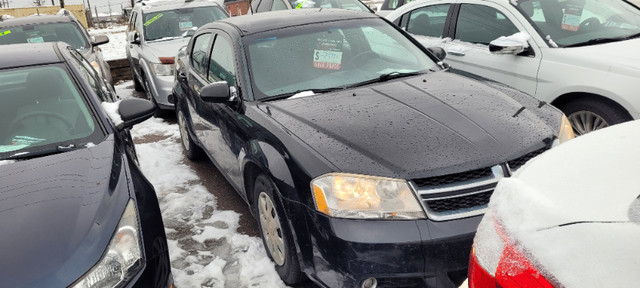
[(199, 53), (278, 5), (67, 32), (89, 74), (482, 24), (428, 21), (393, 4), (383, 44), (221, 66), (265, 5), (132, 26), (254, 5), (174, 23), (41, 106)]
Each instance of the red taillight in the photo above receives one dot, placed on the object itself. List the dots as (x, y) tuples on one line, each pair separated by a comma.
[(514, 270), (167, 60)]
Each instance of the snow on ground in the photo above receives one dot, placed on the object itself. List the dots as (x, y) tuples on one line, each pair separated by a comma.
[(204, 246), (115, 49)]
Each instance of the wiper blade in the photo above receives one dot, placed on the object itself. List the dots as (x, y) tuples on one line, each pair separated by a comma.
[(289, 94), (385, 77), (42, 152), (596, 41)]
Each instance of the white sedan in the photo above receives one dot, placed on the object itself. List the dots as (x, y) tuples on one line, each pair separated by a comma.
[(579, 55), (562, 221)]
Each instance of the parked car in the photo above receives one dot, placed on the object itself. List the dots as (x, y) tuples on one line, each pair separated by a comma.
[(557, 224), (258, 6), (157, 29), (364, 161), (388, 6), (554, 54), (75, 209), (52, 28)]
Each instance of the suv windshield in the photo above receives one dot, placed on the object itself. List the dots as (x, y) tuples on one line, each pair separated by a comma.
[(342, 4), (173, 23), (51, 32), (42, 109), (331, 55), (582, 22)]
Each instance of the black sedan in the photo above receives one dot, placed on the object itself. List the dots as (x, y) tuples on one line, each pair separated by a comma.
[(364, 160), (75, 210)]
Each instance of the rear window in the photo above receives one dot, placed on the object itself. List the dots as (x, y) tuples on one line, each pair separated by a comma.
[(51, 32)]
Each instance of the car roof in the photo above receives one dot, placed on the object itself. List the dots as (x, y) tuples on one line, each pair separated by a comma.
[(27, 54), (34, 19), (260, 22), (162, 5)]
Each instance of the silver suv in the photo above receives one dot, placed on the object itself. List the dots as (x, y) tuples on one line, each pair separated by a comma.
[(156, 31)]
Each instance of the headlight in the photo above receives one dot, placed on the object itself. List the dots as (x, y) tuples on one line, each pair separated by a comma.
[(162, 69), (123, 257), (96, 67), (365, 197), (566, 131)]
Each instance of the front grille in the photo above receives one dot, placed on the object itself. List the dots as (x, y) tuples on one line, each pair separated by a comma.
[(454, 178), (518, 162), (459, 203)]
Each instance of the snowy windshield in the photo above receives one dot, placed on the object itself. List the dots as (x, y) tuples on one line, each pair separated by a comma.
[(51, 32), (582, 22), (330, 55), (174, 23), (41, 108), (341, 4)]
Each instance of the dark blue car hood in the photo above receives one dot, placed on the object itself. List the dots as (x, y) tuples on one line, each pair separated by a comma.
[(57, 214)]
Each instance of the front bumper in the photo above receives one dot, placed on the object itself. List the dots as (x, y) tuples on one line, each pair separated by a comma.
[(416, 253), (160, 89)]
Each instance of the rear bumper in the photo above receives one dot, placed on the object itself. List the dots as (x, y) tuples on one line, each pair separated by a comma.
[(417, 253)]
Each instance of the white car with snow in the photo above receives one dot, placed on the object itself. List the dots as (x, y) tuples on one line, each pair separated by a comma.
[(157, 29), (557, 224), (579, 55)]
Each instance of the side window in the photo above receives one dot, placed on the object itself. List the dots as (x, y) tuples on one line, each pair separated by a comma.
[(482, 24), (221, 66), (254, 5), (264, 6), (87, 72), (428, 21), (278, 5), (199, 53), (393, 4)]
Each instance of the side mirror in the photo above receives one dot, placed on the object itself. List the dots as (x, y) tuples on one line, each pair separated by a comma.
[(217, 92), (511, 45), (136, 39), (438, 52), (133, 111), (100, 39)]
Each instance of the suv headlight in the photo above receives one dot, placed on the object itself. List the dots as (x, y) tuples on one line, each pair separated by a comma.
[(162, 69), (566, 131), (123, 257), (365, 197)]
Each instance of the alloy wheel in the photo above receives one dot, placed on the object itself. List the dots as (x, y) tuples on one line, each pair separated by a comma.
[(271, 229), (584, 122)]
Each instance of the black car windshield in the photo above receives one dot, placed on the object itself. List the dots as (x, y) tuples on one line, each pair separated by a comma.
[(42, 110), (50, 32), (582, 22), (170, 24), (341, 4), (330, 55)]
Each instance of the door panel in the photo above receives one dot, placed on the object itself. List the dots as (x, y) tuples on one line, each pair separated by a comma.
[(476, 26)]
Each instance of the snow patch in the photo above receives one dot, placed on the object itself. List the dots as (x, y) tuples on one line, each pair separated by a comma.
[(5, 162), (517, 39), (302, 94), (112, 111)]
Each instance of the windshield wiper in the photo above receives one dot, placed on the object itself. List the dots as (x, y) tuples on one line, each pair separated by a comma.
[(42, 152), (385, 77), (289, 94), (596, 41)]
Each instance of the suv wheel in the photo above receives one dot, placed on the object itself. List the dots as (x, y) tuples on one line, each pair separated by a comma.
[(275, 233), (136, 84), (587, 115)]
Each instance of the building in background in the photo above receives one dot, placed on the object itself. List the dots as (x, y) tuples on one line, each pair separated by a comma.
[(237, 7)]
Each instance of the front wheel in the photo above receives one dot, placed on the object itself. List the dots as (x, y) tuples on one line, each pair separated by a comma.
[(275, 233), (588, 115), (191, 150)]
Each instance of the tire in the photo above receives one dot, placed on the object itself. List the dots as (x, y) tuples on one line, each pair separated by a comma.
[(588, 114), (136, 84), (190, 148), (158, 113), (276, 236)]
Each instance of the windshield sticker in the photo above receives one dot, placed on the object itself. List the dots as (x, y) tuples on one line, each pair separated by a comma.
[(35, 40), (152, 20), (327, 59), (5, 33), (186, 25), (572, 15)]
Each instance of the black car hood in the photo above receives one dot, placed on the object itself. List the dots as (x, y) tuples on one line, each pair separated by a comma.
[(414, 127), (58, 213)]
